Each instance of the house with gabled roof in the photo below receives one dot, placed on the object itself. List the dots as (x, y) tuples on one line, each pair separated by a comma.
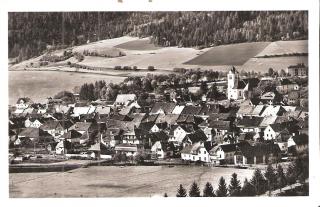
[(71, 136), (162, 108), (249, 124), (271, 110), (179, 133), (84, 127), (56, 128), (191, 110), (124, 99), (285, 86), (196, 136), (195, 152), (279, 131)]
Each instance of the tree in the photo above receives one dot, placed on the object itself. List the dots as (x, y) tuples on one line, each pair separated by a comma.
[(208, 190), (165, 195), (234, 186), (194, 190), (247, 189), (181, 192), (270, 175), (270, 71), (281, 178), (259, 183), (291, 174), (222, 189), (282, 73)]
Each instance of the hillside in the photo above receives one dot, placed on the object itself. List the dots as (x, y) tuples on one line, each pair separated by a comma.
[(32, 33), (141, 53)]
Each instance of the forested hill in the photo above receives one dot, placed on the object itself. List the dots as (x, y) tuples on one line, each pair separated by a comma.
[(31, 33)]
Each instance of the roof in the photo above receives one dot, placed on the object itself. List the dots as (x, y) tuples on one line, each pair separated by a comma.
[(249, 121), (81, 126), (286, 81), (167, 108), (193, 149), (25, 100), (210, 109), (103, 109), (239, 84), (191, 119), (71, 134), (222, 125), (126, 147), (191, 110), (258, 110), (293, 95), (233, 147), (268, 120), (259, 149), (169, 118), (124, 98), (245, 109), (178, 109), (273, 111), (33, 133), (197, 136)]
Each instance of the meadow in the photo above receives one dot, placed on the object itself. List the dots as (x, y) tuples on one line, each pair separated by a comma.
[(112, 181)]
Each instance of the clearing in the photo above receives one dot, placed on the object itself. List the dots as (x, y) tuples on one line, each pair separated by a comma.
[(140, 44)]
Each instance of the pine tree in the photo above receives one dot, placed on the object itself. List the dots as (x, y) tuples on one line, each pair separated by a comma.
[(291, 174), (281, 178), (270, 175), (194, 190), (181, 192), (247, 189), (208, 190), (234, 186), (222, 189), (258, 182)]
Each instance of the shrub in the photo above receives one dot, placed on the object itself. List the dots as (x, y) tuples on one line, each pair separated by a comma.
[(151, 68)]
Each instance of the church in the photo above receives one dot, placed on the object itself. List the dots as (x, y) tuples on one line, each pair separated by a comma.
[(240, 89)]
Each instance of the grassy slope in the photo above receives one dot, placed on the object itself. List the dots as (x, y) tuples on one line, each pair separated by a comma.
[(236, 54), (140, 44)]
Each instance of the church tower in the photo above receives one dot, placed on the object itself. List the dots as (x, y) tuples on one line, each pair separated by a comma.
[(233, 78)]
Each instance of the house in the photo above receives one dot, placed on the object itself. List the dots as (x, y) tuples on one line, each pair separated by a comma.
[(83, 110), (273, 110), (244, 110), (285, 86), (56, 128), (23, 103), (299, 142), (34, 122), (178, 109), (195, 152), (158, 127), (103, 111), (127, 149), (158, 149), (257, 154), (249, 124), (225, 152), (240, 89), (124, 99), (293, 98), (112, 136), (297, 70), (271, 98), (35, 138), (278, 131), (84, 127), (71, 136), (220, 128), (162, 108), (191, 110), (179, 133), (196, 136)]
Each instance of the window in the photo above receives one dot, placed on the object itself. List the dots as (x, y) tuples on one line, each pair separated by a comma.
[(205, 159), (204, 152), (193, 158)]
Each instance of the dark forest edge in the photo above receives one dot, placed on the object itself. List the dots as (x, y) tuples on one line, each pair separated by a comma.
[(31, 34)]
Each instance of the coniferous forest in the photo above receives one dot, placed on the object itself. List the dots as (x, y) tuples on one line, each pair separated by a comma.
[(30, 34)]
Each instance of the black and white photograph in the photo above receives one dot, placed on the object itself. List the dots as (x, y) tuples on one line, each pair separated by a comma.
[(184, 103)]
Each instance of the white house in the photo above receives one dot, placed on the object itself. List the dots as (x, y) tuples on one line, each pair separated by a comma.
[(179, 134), (124, 99), (158, 150), (195, 152)]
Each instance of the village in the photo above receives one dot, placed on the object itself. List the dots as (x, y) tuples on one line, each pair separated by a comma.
[(239, 121)]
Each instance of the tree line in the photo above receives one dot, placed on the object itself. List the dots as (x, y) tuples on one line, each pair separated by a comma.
[(30, 33), (259, 184)]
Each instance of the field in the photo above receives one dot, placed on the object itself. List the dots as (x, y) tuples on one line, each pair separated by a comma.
[(134, 181), (141, 44), (285, 47), (140, 53), (236, 54), (38, 85)]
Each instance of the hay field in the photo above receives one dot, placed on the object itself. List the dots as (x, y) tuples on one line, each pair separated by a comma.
[(111, 181), (285, 47), (140, 44), (235, 54)]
